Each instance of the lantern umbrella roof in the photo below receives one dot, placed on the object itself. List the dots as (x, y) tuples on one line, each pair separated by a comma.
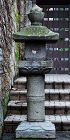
[(35, 33)]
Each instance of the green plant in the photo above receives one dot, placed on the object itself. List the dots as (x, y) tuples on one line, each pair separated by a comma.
[(63, 49), (17, 52), (62, 29), (5, 101), (15, 15)]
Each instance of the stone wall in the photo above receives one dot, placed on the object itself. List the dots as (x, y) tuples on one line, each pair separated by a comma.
[(8, 24), (13, 17), (24, 21)]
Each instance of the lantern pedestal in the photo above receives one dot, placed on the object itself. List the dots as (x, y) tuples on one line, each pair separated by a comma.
[(35, 126), (35, 130)]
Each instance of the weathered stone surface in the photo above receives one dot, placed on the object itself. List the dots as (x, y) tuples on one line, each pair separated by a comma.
[(1, 118), (35, 33), (35, 84), (35, 50), (35, 98), (35, 130), (35, 67), (7, 53), (36, 15), (60, 135)]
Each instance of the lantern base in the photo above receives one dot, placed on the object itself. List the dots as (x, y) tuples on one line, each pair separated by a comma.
[(35, 130)]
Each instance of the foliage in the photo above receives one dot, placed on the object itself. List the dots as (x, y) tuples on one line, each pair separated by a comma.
[(16, 15), (5, 102), (17, 52), (62, 29), (63, 49)]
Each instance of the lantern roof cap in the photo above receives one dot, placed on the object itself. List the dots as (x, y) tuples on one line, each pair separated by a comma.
[(35, 33)]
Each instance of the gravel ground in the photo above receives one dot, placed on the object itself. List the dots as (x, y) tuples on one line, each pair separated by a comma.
[(59, 136)]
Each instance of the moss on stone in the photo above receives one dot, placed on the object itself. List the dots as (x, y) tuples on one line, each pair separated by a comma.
[(17, 52), (5, 102), (32, 31), (35, 31)]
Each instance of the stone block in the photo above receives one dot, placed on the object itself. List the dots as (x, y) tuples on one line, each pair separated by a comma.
[(35, 130), (36, 67)]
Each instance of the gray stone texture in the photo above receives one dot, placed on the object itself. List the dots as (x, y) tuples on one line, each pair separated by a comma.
[(60, 135), (35, 130), (36, 67), (7, 52), (1, 118), (35, 38), (1, 108), (35, 50), (35, 98)]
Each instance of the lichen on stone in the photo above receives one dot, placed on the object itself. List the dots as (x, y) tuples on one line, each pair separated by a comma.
[(36, 31)]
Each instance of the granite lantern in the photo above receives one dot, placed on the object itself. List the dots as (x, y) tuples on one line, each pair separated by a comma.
[(35, 66)]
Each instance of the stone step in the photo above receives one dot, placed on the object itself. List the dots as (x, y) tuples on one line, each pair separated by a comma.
[(57, 94), (62, 122), (51, 107), (20, 83), (50, 94), (18, 94), (49, 78), (55, 81)]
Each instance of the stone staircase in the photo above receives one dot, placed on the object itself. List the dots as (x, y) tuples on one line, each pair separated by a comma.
[(57, 102)]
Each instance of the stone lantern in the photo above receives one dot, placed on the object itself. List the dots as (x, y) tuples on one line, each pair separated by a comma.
[(35, 66)]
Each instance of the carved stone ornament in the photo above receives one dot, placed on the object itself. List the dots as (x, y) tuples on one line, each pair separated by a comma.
[(35, 67)]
